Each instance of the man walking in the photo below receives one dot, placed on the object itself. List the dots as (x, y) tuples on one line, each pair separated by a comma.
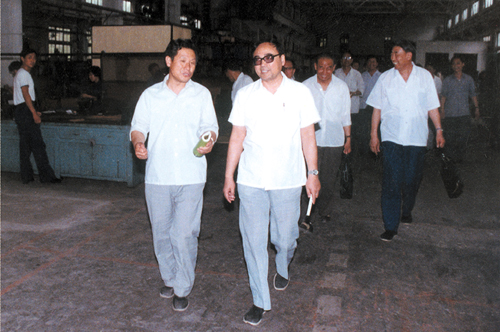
[(333, 102), (403, 99), (273, 130), (457, 91), (173, 115)]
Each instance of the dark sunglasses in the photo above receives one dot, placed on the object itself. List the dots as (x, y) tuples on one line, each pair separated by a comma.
[(267, 58)]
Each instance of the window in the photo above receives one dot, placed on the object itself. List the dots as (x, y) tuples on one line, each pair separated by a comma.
[(457, 19), (60, 40), (127, 6), (475, 8), (487, 38), (322, 42), (487, 3), (498, 39), (197, 24), (465, 14), (184, 20), (450, 23), (95, 2)]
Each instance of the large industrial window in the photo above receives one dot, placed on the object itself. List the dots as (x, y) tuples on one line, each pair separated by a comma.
[(475, 8), (59, 39), (487, 3), (450, 23), (487, 38), (127, 6), (465, 14), (457, 19), (95, 2)]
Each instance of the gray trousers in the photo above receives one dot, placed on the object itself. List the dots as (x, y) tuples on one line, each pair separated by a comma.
[(175, 215)]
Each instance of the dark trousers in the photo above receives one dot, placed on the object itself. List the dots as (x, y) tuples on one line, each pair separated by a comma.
[(456, 132), (31, 141), (328, 165), (360, 130), (403, 171)]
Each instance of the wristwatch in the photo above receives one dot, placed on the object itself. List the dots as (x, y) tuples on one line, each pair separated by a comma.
[(313, 172)]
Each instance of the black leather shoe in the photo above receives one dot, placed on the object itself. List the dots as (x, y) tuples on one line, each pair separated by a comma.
[(254, 316), (28, 181), (387, 235), (280, 283), (180, 303), (56, 180), (306, 227), (406, 219), (167, 292)]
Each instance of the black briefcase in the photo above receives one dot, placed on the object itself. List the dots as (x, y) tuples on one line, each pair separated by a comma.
[(451, 176)]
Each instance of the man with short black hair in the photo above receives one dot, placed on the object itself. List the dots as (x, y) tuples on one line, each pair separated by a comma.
[(174, 114), (403, 99), (28, 121), (370, 77), (333, 137), (289, 69), (236, 75), (457, 91)]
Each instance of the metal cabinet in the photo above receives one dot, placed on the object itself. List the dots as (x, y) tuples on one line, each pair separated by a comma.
[(101, 152)]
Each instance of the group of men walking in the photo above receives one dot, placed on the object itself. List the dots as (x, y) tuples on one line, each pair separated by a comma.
[(286, 135), (285, 146)]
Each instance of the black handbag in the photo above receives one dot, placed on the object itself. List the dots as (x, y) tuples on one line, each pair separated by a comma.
[(346, 179), (450, 175)]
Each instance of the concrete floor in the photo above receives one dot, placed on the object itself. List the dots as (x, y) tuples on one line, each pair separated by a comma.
[(78, 256)]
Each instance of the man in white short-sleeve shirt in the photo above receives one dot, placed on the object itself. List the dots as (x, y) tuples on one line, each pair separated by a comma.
[(173, 115), (403, 99), (333, 137), (28, 120), (236, 75), (273, 130)]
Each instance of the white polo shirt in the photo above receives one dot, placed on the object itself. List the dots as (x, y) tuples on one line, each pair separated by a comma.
[(404, 105), (334, 107), (23, 78), (272, 156), (174, 124), (354, 82), (241, 81)]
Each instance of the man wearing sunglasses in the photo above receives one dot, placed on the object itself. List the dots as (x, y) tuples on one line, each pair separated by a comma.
[(273, 130)]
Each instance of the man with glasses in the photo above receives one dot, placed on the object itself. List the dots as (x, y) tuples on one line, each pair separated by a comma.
[(273, 130), (289, 69), (356, 87)]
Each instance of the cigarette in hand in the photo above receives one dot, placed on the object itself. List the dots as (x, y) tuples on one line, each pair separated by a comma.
[(309, 206)]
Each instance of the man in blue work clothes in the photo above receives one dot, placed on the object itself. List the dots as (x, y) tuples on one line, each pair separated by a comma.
[(173, 115)]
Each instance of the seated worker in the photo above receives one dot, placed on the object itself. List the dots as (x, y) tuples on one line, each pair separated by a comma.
[(90, 101)]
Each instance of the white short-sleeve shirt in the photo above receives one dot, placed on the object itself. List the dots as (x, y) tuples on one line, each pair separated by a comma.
[(272, 156), (23, 78), (354, 82), (241, 81), (174, 124), (404, 105), (334, 107)]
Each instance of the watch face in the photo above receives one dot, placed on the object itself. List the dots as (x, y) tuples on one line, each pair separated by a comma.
[(314, 172)]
